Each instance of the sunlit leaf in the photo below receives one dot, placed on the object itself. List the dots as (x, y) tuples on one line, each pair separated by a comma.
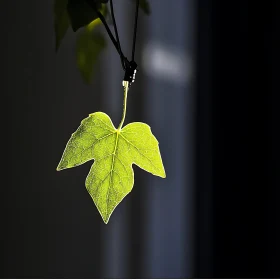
[(111, 176)]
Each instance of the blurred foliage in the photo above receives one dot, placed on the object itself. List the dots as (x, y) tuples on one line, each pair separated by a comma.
[(81, 14), (89, 45)]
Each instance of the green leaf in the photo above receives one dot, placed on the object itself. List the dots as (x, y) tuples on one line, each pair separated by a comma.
[(89, 46), (96, 22), (81, 13), (61, 21), (111, 176)]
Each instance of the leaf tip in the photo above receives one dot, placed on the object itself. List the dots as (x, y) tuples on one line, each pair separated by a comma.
[(59, 167), (105, 220), (163, 174)]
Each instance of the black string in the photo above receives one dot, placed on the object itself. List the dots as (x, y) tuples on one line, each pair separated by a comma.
[(128, 66), (116, 33), (135, 30), (93, 6)]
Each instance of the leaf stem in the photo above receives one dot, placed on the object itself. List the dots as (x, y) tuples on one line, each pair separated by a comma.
[(125, 85)]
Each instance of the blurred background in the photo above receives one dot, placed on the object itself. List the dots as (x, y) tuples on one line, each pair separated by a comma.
[(203, 220)]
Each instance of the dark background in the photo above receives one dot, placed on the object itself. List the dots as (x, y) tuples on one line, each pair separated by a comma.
[(216, 214)]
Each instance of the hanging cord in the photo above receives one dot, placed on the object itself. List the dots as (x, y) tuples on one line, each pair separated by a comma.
[(115, 43), (132, 66), (135, 30), (129, 66), (117, 35)]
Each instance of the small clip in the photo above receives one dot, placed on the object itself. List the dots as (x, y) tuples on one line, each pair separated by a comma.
[(130, 71)]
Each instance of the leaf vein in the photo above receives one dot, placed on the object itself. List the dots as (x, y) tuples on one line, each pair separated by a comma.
[(140, 152)]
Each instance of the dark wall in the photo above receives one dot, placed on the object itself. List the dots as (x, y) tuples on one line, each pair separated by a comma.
[(237, 215), (39, 220)]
